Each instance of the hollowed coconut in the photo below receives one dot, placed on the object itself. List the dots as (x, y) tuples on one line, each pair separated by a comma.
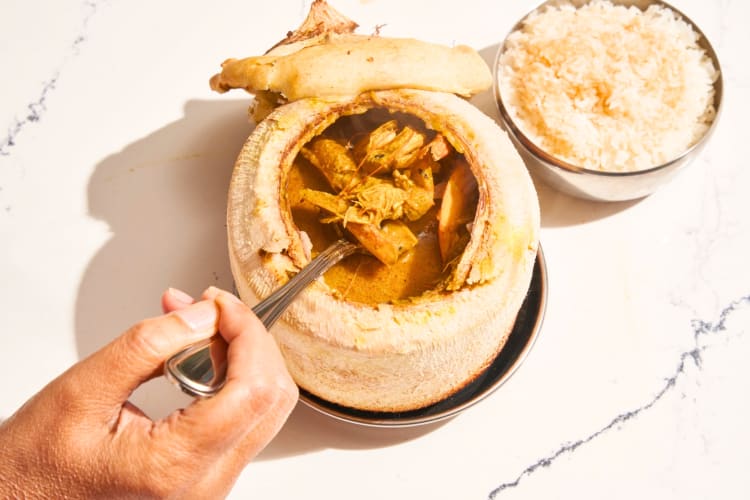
[(408, 352)]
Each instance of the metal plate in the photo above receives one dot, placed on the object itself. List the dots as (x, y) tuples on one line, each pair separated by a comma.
[(522, 337)]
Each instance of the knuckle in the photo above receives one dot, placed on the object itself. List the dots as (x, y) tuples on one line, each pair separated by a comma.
[(67, 396), (67, 390), (290, 393), (141, 339), (263, 395), (270, 393)]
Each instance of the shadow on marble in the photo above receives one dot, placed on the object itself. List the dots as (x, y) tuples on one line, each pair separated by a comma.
[(164, 200), (557, 209), (308, 431)]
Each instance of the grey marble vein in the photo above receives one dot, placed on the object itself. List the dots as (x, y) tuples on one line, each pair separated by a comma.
[(700, 329), (36, 109), (34, 112)]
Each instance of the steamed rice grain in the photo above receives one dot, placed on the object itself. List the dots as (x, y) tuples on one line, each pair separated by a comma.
[(608, 87)]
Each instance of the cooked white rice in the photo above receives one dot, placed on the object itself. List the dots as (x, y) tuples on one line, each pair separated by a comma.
[(608, 87)]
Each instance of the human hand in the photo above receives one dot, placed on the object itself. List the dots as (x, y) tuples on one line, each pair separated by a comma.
[(80, 437)]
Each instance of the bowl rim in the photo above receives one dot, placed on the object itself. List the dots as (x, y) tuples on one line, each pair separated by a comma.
[(552, 161)]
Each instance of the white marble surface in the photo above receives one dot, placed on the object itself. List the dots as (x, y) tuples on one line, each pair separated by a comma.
[(114, 163)]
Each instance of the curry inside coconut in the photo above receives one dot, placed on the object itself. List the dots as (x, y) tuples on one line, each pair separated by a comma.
[(400, 189)]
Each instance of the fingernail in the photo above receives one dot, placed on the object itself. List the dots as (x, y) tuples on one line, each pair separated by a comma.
[(180, 296), (200, 316), (228, 299), (213, 292), (232, 297)]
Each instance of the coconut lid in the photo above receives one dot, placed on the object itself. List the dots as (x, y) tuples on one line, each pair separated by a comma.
[(325, 58)]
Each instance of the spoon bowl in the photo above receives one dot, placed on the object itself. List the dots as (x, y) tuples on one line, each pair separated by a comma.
[(200, 369)]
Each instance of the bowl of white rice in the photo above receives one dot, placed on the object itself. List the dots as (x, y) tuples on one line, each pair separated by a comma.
[(607, 100)]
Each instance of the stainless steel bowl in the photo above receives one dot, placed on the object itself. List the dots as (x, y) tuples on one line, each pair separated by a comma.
[(595, 184)]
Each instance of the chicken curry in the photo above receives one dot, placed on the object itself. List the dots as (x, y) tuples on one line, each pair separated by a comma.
[(399, 189)]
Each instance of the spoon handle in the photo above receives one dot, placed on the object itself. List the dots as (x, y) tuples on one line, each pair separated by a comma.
[(200, 369)]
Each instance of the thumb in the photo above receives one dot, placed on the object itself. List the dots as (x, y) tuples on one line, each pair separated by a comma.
[(116, 370)]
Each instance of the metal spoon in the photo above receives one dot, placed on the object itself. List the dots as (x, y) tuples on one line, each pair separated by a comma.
[(200, 369)]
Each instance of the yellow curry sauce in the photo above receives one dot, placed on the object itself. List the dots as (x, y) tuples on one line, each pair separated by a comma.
[(363, 278)]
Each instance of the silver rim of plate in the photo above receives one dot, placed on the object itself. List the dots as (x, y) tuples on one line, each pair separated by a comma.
[(525, 332)]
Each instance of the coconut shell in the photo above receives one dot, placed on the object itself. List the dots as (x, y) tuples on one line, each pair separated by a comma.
[(387, 357)]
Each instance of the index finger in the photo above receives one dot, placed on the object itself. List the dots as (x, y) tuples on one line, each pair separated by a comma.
[(108, 377)]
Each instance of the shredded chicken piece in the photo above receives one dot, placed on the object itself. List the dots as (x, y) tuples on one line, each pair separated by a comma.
[(331, 203), (386, 149), (372, 202), (388, 243), (332, 159), (419, 189), (384, 179), (382, 199), (438, 148)]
